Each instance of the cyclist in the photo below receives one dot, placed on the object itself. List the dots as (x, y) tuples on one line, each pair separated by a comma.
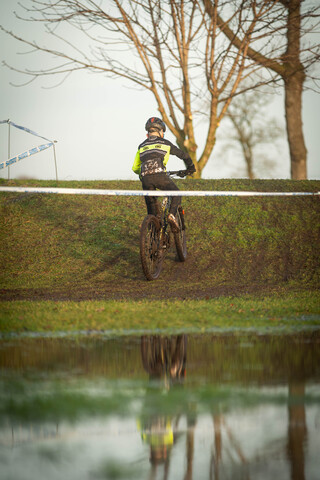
[(150, 164)]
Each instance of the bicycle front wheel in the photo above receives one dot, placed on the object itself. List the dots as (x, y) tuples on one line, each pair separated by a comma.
[(180, 238), (150, 247)]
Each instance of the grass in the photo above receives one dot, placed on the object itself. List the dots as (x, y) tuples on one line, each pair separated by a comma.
[(290, 311), (72, 262)]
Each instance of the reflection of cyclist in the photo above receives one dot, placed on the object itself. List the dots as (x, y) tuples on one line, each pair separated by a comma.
[(157, 432), (150, 164), (164, 359)]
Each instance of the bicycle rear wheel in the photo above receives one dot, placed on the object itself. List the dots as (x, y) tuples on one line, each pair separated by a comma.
[(150, 247), (180, 238)]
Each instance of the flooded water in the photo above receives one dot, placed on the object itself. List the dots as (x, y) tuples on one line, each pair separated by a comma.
[(234, 406)]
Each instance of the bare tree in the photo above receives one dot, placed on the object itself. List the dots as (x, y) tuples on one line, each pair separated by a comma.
[(251, 129), (177, 53), (278, 38)]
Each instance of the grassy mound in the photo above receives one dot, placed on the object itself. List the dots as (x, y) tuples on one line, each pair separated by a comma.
[(64, 247)]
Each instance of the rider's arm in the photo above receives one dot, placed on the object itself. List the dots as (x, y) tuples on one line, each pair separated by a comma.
[(181, 154), (136, 167)]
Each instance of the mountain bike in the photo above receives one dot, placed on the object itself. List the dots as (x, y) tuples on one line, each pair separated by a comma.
[(156, 236)]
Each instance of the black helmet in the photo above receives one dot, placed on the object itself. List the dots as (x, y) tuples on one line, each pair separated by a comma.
[(155, 122)]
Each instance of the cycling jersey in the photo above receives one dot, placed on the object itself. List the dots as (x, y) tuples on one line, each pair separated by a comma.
[(153, 155)]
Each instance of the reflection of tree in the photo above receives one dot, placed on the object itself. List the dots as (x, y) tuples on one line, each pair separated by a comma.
[(164, 358), (296, 441), (216, 455), (297, 430)]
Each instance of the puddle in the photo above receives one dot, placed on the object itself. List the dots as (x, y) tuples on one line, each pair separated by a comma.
[(215, 406)]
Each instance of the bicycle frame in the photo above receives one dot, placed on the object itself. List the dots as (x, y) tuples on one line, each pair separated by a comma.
[(164, 211), (155, 237)]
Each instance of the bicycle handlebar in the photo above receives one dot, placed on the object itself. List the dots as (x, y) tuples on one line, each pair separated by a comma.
[(180, 173)]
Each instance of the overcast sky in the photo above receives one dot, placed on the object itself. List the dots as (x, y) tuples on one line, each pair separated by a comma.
[(99, 122)]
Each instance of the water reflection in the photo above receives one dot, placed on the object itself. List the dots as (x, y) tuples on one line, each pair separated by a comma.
[(178, 407), (164, 359), (297, 430)]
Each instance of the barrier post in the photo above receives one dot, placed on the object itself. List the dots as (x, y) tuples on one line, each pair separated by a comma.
[(28, 153), (9, 150), (55, 159)]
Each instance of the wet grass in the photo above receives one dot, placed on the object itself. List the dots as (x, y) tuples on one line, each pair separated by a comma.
[(298, 311)]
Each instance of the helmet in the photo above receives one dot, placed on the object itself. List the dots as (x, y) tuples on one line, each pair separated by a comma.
[(155, 122)]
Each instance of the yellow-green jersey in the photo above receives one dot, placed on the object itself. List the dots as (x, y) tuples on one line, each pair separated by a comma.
[(153, 155)]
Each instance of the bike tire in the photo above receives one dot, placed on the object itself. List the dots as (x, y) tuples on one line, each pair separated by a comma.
[(151, 254), (180, 239)]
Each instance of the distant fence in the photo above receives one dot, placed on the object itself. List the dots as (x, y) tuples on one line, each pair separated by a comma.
[(153, 193), (27, 153)]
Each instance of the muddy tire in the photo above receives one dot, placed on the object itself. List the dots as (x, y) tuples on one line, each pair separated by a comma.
[(180, 239), (151, 253)]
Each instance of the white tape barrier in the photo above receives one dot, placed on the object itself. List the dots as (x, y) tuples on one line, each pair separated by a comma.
[(23, 155), (153, 193), (32, 151), (20, 127)]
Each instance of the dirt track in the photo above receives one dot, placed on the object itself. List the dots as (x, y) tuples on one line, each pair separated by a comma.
[(140, 290), (177, 281)]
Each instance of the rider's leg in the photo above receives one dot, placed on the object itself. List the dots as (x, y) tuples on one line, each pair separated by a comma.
[(168, 184), (151, 202), (165, 183)]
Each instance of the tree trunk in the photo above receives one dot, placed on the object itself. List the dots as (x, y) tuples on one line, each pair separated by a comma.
[(292, 71), (298, 151), (294, 77), (247, 152)]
